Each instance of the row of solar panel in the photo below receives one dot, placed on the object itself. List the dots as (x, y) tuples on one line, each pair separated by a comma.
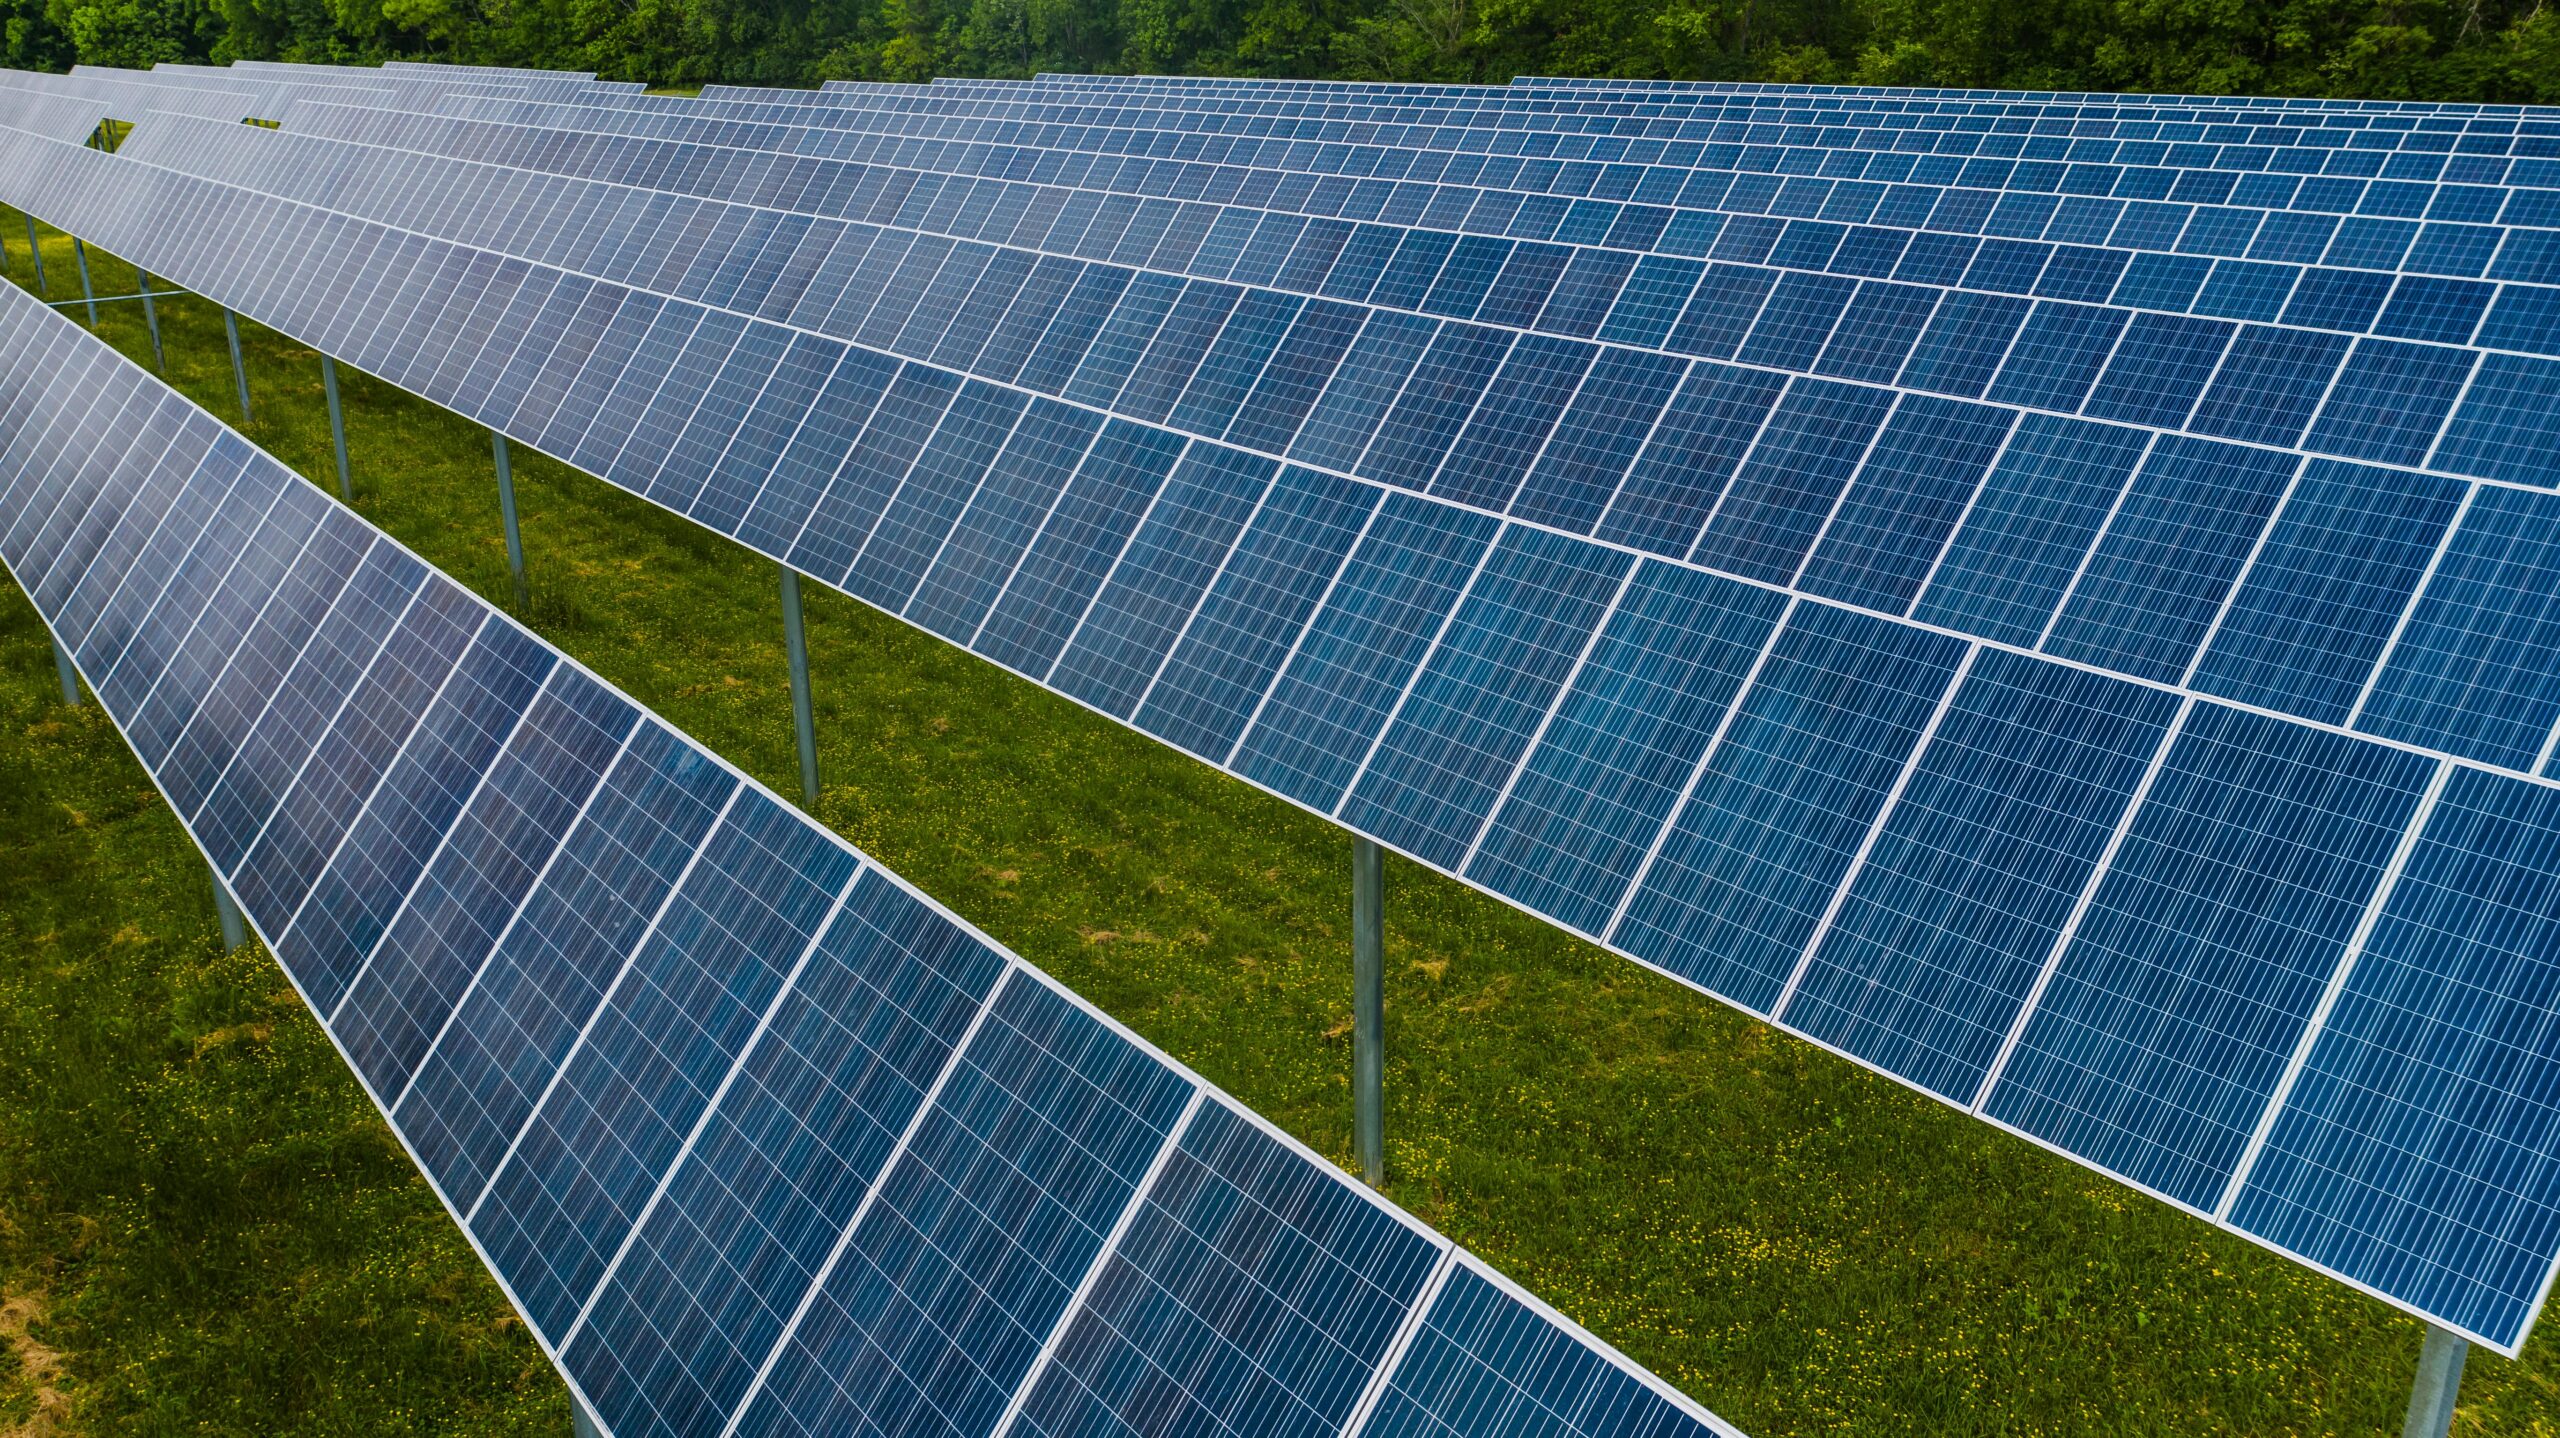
[(1769, 120), (1856, 105), (1807, 271), (2162, 279), (1836, 325), (2345, 145), (746, 1126), (424, 70), (1812, 99), (2090, 541), (1428, 175), (53, 116), (1966, 866), (1849, 185)]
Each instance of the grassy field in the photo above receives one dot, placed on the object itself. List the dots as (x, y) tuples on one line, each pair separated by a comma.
[(214, 1234)]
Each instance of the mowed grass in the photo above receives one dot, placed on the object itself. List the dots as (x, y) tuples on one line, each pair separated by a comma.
[(1807, 1248)]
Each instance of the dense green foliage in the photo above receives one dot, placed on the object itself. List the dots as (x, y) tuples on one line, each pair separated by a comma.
[(2434, 49)]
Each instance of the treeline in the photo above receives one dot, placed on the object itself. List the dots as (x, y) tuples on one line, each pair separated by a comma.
[(2504, 50)]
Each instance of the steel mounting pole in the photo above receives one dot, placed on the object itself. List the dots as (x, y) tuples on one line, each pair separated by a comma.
[(235, 930), (239, 371), (80, 256), (803, 724), (582, 1424), (1369, 1007), (2439, 1382), (337, 428), (36, 252), (507, 513), (70, 676), (151, 318)]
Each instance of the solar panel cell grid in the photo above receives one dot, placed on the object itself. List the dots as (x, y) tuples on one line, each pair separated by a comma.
[(2103, 543), (703, 1084)]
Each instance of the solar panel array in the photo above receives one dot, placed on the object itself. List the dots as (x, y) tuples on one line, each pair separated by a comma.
[(758, 1138), (2107, 772)]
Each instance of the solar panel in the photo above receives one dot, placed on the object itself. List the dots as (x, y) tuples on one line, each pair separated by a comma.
[(1822, 795), (756, 1137), (2162, 369), (115, 97), (2239, 261)]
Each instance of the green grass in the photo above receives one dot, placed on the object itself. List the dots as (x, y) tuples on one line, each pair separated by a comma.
[(1805, 1247)]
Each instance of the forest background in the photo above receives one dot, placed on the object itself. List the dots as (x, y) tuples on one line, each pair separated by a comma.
[(2493, 50)]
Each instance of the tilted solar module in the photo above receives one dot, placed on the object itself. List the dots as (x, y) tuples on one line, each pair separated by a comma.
[(268, 97), (2303, 248), (121, 99), (2162, 373), (757, 1138), (54, 116), (979, 477)]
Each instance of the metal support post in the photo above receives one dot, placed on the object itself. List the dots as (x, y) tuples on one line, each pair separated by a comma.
[(151, 317), (235, 930), (36, 251), (582, 1424), (796, 640), (2439, 1382), (239, 371), (70, 676), (507, 512), (337, 428), (80, 254), (1369, 1007)]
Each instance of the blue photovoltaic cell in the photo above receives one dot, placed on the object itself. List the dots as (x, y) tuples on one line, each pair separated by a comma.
[(1002, 518), (1682, 469), (949, 1285), (1885, 536), (1597, 439), (1159, 581), (1472, 711), (365, 738), (1436, 401), (1483, 1366), (1623, 741), (489, 862), (2021, 545), (2321, 599), (1249, 1295), (388, 848), (2477, 669), (1776, 504), (1784, 800), (1509, 429), (482, 1076), (707, 1286), (2389, 401), (915, 523), (1242, 632), (1368, 381), (1950, 918), (2431, 1074), (2509, 424), (2171, 552), (674, 1021), (1356, 657), (1077, 545), (2179, 998), (2160, 366)]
